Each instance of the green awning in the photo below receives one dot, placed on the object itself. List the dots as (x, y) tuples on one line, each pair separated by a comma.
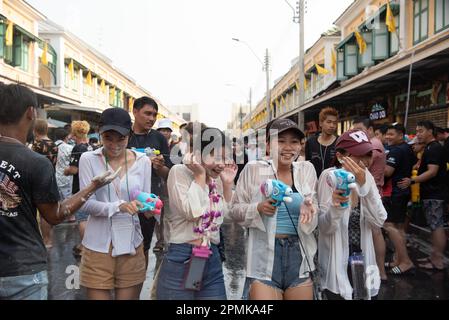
[(346, 40), (26, 33), (395, 8)]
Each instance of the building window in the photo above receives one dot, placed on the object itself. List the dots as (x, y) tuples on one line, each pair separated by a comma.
[(394, 38), (381, 42), (351, 65), (2, 39), (441, 15), (341, 64), (366, 59), (25, 56), (420, 20)]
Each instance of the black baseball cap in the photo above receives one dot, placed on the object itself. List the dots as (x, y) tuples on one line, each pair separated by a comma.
[(115, 119), (282, 125)]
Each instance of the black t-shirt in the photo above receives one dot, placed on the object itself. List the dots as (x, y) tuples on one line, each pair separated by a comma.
[(77, 151), (434, 188), (155, 140), (315, 152), (402, 158), (26, 179)]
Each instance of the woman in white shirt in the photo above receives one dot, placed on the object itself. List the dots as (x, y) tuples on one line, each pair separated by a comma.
[(345, 232), (113, 257), (281, 245), (199, 192)]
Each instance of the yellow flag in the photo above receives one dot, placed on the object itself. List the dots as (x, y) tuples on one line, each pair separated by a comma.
[(111, 95), (283, 101), (89, 78), (306, 83), (334, 62), (321, 70), (130, 104), (103, 86), (9, 35), (297, 85), (360, 42), (44, 58), (390, 22), (71, 70)]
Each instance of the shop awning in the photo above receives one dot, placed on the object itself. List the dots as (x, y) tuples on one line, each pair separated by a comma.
[(379, 14), (71, 107), (346, 40), (52, 123)]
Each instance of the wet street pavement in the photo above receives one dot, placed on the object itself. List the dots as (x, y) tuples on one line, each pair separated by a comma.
[(63, 271)]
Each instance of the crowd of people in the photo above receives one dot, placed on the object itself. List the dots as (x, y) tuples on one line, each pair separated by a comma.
[(323, 242)]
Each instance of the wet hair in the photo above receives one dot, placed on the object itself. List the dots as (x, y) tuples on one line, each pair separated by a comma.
[(383, 128), (15, 99), (428, 125), (41, 127), (80, 129), (61, 133), (209, 136), (399, 128), (326, 112), (367, 123), (142, 102)]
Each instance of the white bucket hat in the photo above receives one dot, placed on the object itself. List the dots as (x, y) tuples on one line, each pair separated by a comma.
[(165, 124)]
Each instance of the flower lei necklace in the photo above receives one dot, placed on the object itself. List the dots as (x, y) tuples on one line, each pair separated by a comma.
[(208, 221)]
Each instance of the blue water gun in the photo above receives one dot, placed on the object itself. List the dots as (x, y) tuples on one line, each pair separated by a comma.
[(341, 179), (278, 191), (150, 202), (150, 152)]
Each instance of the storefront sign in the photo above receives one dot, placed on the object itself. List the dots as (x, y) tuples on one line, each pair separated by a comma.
[(377, 112)]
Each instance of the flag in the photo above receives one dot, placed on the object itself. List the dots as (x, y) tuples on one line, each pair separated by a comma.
[(9, 35), (130, 104), (334, 62), (71, 70), (89, 78), (44, 58), (297, 85), (321, 70), (111, 95), (103, 86), (283, 101), (360, 42), (306, 83), (390, 22)]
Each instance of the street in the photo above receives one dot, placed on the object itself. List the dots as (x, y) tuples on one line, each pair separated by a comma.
[(425, 285)]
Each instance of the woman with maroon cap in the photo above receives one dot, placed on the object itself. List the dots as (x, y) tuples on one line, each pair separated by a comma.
[(345, 232)]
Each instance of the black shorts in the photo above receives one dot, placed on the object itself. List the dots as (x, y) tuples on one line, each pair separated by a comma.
[(147, 226), (396, 207)]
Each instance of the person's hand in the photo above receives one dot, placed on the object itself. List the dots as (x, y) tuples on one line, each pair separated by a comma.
[(338, 199), (307, 211), (132, 207), (358, 170), (192, 162), (228, 174), (105, 178), (405, 183), (158, 162), (267, 208)]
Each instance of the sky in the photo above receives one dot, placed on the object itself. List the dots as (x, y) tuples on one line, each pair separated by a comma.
[(182, 50)]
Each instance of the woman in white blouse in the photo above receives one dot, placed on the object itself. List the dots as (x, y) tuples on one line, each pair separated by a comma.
[(345, 231), (113, 258), (199, 192), (281, 245)]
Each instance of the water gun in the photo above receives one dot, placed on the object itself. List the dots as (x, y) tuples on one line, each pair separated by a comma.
[(415, 188), (278, 191), (150, 202), (341, 179), (150, 152)]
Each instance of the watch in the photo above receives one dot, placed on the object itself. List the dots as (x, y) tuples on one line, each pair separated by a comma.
[(412, 182)]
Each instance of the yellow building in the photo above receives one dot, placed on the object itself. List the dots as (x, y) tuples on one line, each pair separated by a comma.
[(374, 61)]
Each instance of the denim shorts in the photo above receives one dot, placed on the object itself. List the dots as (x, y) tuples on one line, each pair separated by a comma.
[(173, 270), (27, 287), (287, 262), (434, 211), (81, 216)]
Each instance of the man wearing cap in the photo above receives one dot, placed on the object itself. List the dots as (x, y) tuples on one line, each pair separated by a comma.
[(143, 135)]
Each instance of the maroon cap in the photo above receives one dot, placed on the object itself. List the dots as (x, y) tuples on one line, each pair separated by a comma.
[(355, 142)]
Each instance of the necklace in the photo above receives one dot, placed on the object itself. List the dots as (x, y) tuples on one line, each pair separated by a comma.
[(118, 190), (10, 139)]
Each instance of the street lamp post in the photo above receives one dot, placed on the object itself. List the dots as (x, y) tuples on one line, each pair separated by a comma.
[(266, 68)]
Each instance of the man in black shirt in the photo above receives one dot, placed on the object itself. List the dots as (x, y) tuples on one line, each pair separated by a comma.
[(27, 183), (145, 112), (400, 162), (320, 150), (431, 177)]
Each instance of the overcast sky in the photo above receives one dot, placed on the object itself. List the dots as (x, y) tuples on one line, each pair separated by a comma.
[(181, 50)]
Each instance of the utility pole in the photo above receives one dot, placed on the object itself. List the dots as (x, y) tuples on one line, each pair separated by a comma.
[(300, 8), (250, 107), (241, 119), (268, 95)]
